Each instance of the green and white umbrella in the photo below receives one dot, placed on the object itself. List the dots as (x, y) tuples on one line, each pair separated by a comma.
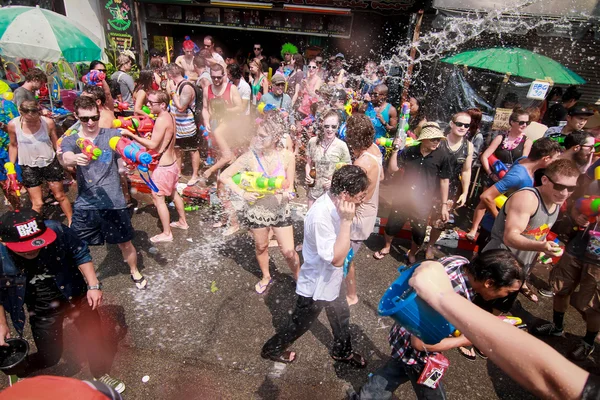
[(39, 34)]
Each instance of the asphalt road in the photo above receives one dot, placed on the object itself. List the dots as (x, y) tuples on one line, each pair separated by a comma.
[(197, 330)]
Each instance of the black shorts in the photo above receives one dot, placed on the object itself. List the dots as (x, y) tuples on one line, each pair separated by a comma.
[(190, 143), (98, 226), (35, 176)]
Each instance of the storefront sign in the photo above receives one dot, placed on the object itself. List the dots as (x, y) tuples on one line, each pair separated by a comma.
[(118, 23), (538, 90)]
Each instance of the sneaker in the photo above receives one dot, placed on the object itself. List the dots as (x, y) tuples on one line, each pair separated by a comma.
[(581, 351), (116, 384), (548, 329), (546, 292)]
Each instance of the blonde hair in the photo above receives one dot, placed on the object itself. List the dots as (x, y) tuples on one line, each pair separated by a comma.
[(122, 60)]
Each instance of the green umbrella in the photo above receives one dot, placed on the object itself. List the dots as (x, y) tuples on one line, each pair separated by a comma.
[(517, 62), (38, 34)]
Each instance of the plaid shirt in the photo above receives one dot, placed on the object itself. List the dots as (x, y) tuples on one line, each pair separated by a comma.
[(400, 338)]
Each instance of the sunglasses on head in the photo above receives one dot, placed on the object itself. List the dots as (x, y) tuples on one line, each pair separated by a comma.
[(330, 126), (94, 118), (523, 122), (462, 124), (30, 110), (559, 188)]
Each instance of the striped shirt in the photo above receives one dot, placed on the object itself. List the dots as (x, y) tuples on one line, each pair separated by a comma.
[(399, 337), (184, 120)]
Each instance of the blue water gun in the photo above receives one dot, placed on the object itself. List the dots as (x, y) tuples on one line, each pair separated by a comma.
[(209, 158), (136, 155)]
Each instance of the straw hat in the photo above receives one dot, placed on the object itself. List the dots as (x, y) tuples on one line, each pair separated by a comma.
[(431, 130)]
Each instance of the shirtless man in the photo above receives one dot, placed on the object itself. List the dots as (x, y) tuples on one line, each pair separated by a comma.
[(186, 61), (166, 175)]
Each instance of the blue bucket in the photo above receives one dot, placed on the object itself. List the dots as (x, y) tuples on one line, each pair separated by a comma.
[(401, 302)]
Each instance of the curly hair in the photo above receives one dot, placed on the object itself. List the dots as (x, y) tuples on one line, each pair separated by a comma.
[(351, 179), (322, 117), (359, 132)]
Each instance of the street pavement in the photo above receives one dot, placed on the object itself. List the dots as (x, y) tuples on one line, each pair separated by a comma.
[(197, 331)]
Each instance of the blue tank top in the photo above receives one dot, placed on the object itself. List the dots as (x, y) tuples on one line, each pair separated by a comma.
[(380, 130)]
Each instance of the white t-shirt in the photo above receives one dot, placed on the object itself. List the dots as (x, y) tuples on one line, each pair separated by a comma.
[(245, 93), (318, 278)]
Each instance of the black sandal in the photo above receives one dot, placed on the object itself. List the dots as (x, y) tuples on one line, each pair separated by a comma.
[(139, 282), (355, 360), (470, 357), (284, 357), (480, 354)]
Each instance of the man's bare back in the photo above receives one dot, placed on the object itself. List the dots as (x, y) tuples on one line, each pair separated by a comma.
[(164, 127)]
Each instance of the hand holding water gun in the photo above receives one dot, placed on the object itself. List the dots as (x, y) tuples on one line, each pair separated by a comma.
[(509, 319), (255, 182), (210, 160), (139, 124), (403, 124), (498, 168), (12, 184), (88, 148), (135, 155), (94, 78)]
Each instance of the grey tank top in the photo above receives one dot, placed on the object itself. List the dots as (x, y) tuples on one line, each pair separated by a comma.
[(537, 229), (366, 213)]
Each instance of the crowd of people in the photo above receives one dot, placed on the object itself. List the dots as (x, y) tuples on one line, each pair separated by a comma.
[(290, 123)]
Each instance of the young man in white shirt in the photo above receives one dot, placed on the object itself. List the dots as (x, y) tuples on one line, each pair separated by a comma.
[(234, 74), (320, 281)]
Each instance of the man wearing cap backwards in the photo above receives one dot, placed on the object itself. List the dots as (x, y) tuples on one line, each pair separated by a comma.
[(426, 177), (43, 265), (577, 117)]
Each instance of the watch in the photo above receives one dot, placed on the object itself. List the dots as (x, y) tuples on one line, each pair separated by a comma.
[(95, 287)]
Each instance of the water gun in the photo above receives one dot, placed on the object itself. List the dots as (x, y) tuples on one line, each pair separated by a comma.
[(189, 207), (403, 124), (140, 125), (340, 165), (500, 200), (347, 261), (256, 182), (135, 155), (497, 166), (122, 105), (588, 206), (147, 110), (558, 138), (8, 96), (209, 157), (88, 148), (389, 142), (94, 78), (509, 319), (4, 140), (71, 131), (11, 174), (546, 259), (264, 108)]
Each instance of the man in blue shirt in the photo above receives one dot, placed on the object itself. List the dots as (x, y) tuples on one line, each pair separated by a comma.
[(43, 265)]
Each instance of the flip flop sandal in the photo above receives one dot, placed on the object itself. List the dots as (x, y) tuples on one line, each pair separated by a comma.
[(284, 357), (470, 237), (378, 255), (260, 289), (355, 360), (139, 282), (529, 294), (156, 239), (480, 354), (178, 226), (468, 356)]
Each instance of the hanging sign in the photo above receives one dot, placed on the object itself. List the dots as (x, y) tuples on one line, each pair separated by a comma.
[(538, 90)]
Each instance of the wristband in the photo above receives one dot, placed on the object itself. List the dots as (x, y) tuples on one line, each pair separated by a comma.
[(95, 287)]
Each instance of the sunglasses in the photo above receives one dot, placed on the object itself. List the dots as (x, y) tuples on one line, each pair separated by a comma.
[(521, 123), (436, 140), (257, 48), (153, 102), (330, 126), (462, 124), (319, 62), (279, 84), (216, 77), (30, 110), (312, 67), (94, 118), (559, 188)]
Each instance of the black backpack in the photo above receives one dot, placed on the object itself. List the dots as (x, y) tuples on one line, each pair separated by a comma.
[(197, 110)]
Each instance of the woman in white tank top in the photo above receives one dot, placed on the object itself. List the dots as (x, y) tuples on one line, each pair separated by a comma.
[(33, 144)]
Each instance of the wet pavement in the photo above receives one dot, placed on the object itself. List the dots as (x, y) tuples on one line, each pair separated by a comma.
[(197, 330)]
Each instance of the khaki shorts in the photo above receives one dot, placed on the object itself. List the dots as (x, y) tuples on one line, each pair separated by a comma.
[(571, 272)]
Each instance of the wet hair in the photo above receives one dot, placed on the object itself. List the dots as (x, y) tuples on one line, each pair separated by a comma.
[(421, 113), (29, 104), (95, 63), (562, 167), (571, 94), (84, 103), (514, 117), (298, 61), (274, 124), (174, 69), (458, 114), (351, 179), (96, 92), (235, 71), (36, 74), (200, 62), (576, 138), (543, 147), (122, 60), (161, 96), (359, 132), (476, 115), (217, 68), (144, 81), (499, 266), (157, 63), (321, 130)]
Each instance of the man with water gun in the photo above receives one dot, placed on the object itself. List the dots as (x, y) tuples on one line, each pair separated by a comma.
[(100, 212), (579, 267), (383, 115), (166, 174), (320, 282), (107, 113)]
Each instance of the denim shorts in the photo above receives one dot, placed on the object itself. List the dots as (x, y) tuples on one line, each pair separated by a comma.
[(95, 227)]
